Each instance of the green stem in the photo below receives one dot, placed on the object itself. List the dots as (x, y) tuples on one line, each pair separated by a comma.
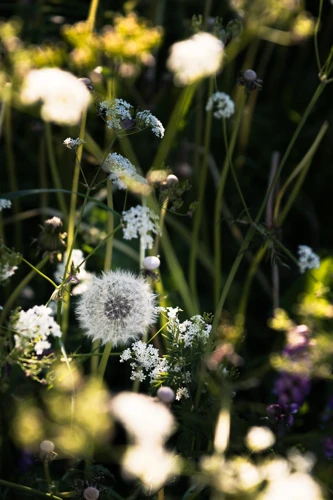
[(109, 245), (234, 172), (39, 272), (29, 491), (201, 197), (316, 36), (15, 294), (162, 219), (54, 170), (92, 14), (10, 161), (219, 202), (104, 361)]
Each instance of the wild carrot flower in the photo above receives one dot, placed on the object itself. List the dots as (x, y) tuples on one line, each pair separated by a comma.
[(117, 307), (4, 203), (63, 96), (73, 143), (198, 57), (116, 112), (146, 119), (122, 172), (35, 326), (222, 104), (139, 222), (307, 259)]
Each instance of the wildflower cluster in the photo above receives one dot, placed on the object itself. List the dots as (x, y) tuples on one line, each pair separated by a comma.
[(63, 96), (140, 222), (5, 204), (146, 119), (222, 105), (196, 58), (186, 342), (9, 262), (307, 259), (123, 173)]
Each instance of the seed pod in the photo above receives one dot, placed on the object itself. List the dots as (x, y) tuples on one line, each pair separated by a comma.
[(51, 239), (165, 394)]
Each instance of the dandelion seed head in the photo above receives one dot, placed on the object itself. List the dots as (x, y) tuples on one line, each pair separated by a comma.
[(116, 307), (198, 57)]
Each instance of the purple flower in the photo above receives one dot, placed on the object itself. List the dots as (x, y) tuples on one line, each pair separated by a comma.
[(292, 388), (281, 416), (328, 447)]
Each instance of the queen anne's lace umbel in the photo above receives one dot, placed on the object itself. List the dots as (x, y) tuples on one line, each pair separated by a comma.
[(140, 222), (222, 105), (35, 326), (146, 119), (122, 172), (116, 112)]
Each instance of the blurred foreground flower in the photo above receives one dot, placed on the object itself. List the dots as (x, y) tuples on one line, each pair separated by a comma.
[(198, 57), (116, 308), (63, 96), (259, 439), (80, 277)]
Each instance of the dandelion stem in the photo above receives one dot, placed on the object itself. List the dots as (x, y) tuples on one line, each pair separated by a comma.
[(201, 197), (104, 361), (15, 294), (29, 491), (92, 14)]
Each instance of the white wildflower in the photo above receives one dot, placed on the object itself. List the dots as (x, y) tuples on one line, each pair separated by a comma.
[(83, 278), (259, 439), (63, 96), (5, 203), (198, 57), (295, 486), (35, 325), (116, 308), (122, 172), (146, 119), (6, 271), (146, 361), (139, 222), (116, 112), (154, 466), (307, 259), (222, 104), (73, 143), (182, 392), (147, 421)]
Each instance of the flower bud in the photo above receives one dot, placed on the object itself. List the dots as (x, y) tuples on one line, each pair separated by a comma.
[(171, 179), (165, 394), (249, 75), (151, 263), (91, 493), (46, 451), (51, 239)]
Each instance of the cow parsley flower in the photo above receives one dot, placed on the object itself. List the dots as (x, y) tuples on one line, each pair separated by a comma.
[(146, 119), (146, 361), (4, 203), (139, 222), (223, 106), (182, 392), (198, 57), (117, 307), (35, 326), (122, 172), (116, 112), (73, 143), (63, 96), (307, 258)]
